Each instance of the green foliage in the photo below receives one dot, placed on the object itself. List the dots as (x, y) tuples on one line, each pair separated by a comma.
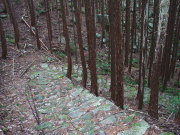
[(170, 100), (5, 130), (167, 133), (106, 18), (43, 126), (10, 38), (103, 66), (72, 47), (48, 59), (39, 9), (130, 81), (129, 118), (61, 54)]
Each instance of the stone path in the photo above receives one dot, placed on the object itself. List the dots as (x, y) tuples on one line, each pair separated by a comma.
[(50, 104), (69, 110)]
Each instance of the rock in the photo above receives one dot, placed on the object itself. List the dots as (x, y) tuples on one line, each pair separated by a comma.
[(137, 129), (45, 66), (110, 120), (76, 114)]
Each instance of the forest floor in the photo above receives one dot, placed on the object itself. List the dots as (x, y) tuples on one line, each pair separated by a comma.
[(37, 98)]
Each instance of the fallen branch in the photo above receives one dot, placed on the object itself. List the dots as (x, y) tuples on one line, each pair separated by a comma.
[(28, 67), (44, 47), (42, 43)]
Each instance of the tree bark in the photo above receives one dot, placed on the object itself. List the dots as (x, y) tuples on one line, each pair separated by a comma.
[(91, 46), (66, 35), (133, 39), (14, 22), (127, 42), (3, 41), (80, 42), (168, 43), (119, 56)]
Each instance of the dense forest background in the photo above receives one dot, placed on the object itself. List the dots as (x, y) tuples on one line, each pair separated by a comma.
[(124, 50)]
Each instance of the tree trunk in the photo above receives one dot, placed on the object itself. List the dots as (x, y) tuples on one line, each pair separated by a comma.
[(154, 38), (112, 50), (140, 93), (102, 23), (49, 26), (127, 44), (33, 22), (66, 35), (168, 43), (175, 44), (80, 42), (3, 41), (13, 21), (119, 56), (91, 46), (133, 39)]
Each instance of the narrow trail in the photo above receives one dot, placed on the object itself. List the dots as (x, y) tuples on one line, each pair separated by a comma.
[(43, 101)]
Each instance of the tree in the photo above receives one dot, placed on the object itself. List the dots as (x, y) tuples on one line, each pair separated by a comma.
[(48, 20), (112, 49), (156, 66), (140, 93), (168, 44), (127, 44), (119, 56), (66, 35), (80, 42), (175, 43), (133, 35), (154, 37), (91, 45), (3, 41), (11, 13), (103, 22), (33, 22)]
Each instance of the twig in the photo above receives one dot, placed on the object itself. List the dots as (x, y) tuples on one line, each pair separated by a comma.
[(169, 117), (33, 107), (28, 67), (137, 111), (13, 65)]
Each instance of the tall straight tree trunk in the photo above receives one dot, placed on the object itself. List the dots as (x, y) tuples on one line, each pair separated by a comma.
[(119, 54), (3, 41), (74, 32), (140, 94), (93, 12), (157, 63), (133, 39), (102, 23), (49, 26), (175, 44), (80, 42), (91, 46), (127, 42), (31, 11), (154, 37), (112, 48), (33, 22), (66, 35), (58, 20), (168, 43), (13, 21)]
